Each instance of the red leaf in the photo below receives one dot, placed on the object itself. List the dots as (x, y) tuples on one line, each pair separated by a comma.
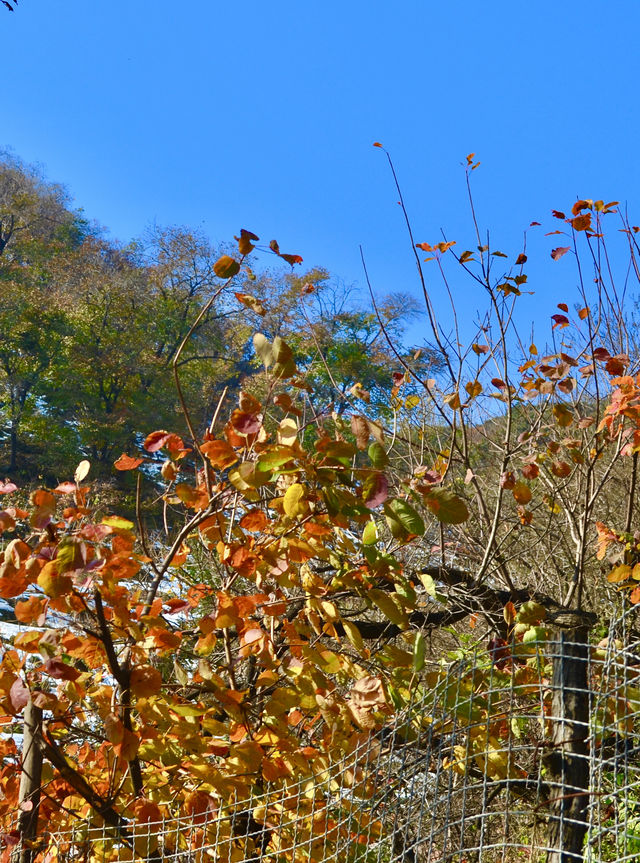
[(557, 214), (18, 695), (245, 423), (507, 480), (65, 488), (560, 321), (563, 307), (60, 670), (376, 490), (556, 254), (601, 354), (155, 441)]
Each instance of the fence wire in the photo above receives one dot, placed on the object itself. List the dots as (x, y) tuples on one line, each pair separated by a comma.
[(490, 760)]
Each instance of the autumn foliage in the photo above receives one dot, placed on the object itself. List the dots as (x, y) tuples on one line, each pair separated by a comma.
[(279, 619)]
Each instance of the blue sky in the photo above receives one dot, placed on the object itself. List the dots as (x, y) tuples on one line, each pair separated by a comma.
[(256, 115)]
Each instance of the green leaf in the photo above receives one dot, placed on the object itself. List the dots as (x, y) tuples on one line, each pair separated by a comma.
[(402, 518), (389, 606), (447, 506), (378, 455), (370, 533), (419, 651)]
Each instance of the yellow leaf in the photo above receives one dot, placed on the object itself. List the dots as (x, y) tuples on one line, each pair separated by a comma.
[(293, 501), (53, 584), (619, 573), (353, 634), (287, 431)]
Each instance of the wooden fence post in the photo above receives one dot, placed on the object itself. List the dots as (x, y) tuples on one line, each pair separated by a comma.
[(567, 760)]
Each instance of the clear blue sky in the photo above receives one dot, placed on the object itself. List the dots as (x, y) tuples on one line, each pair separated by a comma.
[(262, 115)]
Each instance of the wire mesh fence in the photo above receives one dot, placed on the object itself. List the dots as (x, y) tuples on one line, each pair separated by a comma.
[(526, 752)]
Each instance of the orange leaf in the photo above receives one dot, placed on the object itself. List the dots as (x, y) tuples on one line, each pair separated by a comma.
[(127, 462), (292, 259), (581, 205), (509, 613), (521, 492), (30, 610), (145, 681), (219, 453), (254, 520), (244, 241)]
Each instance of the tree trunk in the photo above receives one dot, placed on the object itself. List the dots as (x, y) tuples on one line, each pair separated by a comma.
[(30, 781), (567, 762)]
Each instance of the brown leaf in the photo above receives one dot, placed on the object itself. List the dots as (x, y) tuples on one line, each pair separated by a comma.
[(556, 254), (509, 613), (581, 205), (368, 693), (360, 428), (226, 267), (560, 469), (582, 223)]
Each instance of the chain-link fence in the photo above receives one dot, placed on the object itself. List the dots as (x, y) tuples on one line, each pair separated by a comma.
[(528, 751)]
